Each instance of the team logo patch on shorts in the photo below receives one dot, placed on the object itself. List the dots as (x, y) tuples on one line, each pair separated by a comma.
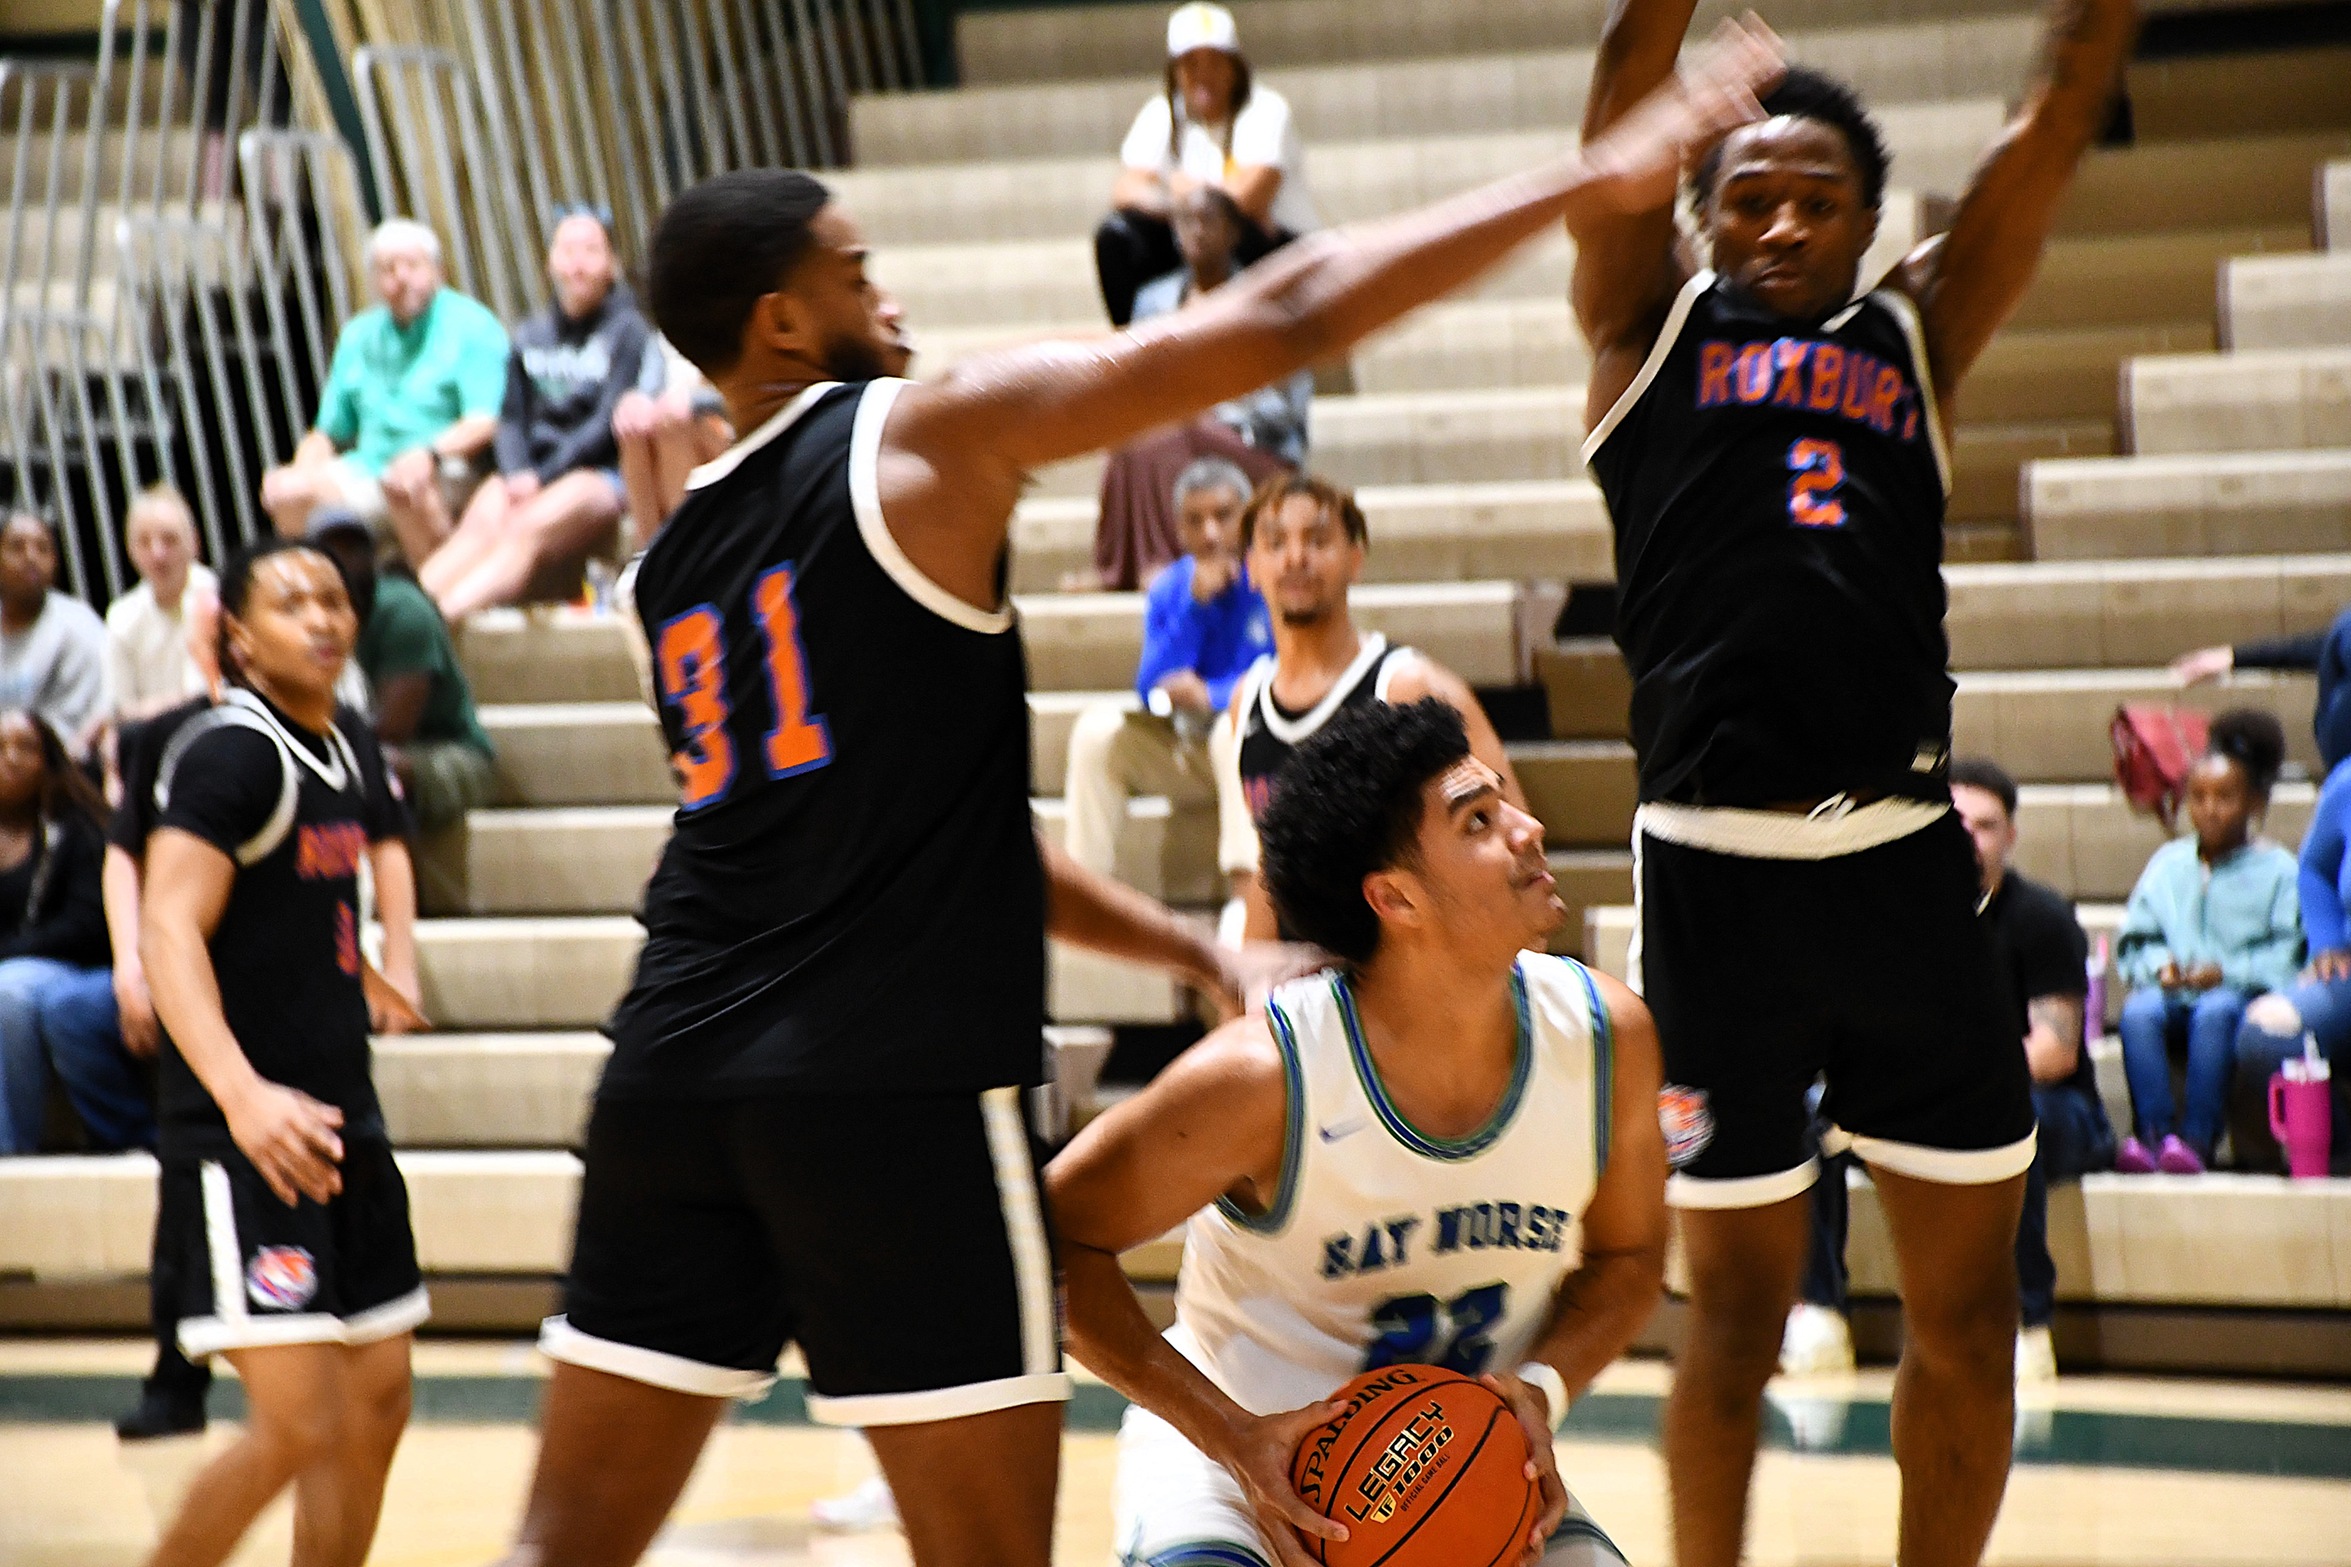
[(282, 1277), (1687, 1121)]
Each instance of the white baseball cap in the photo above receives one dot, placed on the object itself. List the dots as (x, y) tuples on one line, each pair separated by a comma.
[(1201, 25)]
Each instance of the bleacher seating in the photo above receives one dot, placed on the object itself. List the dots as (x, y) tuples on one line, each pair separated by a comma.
[(2077, 572)]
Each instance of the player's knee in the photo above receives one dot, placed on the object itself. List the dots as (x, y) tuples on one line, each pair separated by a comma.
[(303, 1434), (1968, 1317)]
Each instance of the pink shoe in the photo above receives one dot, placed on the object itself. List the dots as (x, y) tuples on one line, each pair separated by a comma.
[(2178, 1158), (2132, 1158)]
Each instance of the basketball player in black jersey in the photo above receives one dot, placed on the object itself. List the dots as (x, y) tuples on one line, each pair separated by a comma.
[(1775, 456), (810, 1128), (1304, 539), (282, 1216)]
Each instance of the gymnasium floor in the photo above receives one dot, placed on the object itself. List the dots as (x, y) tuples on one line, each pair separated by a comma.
[(2113, 1472)]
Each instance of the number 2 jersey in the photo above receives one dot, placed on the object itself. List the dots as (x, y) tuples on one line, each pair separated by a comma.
[(850, 899), (1384, 1244), (1778, 492)]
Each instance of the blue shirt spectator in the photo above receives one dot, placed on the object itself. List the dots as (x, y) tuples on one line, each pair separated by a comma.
[(1217, 638)]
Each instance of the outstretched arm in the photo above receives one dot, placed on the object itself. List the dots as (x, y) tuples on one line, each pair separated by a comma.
[(955, 450), (1968, 281), (1627, 266)]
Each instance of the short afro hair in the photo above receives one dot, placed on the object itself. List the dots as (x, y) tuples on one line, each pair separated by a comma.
[(2255, 741), (718, 248), (1807, 94), (1348, 803), (1332, 498), (1981, 772)]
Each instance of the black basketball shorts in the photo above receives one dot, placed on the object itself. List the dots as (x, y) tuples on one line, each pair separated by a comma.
[(251, 1272), (898, 1239), (1773, 950)]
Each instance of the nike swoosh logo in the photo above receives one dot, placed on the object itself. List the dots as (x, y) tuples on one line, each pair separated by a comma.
[(1331, 1134)]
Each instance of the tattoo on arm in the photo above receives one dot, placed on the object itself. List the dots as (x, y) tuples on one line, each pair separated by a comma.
[(2061, 1015)]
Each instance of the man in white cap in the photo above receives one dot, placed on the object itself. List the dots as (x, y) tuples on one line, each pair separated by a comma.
[(1212, 126)]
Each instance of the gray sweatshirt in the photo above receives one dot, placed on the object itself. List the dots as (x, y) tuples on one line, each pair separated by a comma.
[(57, 667)]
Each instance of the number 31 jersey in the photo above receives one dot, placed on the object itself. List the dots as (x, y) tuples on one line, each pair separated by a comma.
[(1778, 489), (850, 899), (1385, 1245)]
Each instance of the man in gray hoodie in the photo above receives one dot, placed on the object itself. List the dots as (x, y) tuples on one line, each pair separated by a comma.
[(52, 645), (558, 494)]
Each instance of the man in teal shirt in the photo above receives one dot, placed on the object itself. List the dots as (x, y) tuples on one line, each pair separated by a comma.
[(415, 386)]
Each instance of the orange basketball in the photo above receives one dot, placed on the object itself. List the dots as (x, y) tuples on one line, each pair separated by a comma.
[(1425, 1467)]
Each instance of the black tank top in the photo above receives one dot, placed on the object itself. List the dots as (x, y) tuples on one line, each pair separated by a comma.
[(851, 898), (1270, 732), (1777, 491)]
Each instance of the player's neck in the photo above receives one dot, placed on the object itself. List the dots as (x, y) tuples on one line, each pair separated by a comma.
[(1443, 1032), (755, 394), (1308, 658), (313, 711)]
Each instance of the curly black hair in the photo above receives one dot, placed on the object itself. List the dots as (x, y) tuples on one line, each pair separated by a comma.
[(2252, 739), (1811, 95), (1346, 805)]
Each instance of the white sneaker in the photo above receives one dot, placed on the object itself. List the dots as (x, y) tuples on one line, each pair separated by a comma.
[(1817, 1342), (2036, 1357), (870, 1506)]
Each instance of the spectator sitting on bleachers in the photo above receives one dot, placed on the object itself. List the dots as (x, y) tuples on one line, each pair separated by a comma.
[(1208, 231), (423, 707), (2319, 1003), (670, 423), (56, 993), (1203, 625), (2043, 955), (52, 645), (1212, 126), (2325, 653), (557, 495), (413, 390), (147, 663), (2212, 924)]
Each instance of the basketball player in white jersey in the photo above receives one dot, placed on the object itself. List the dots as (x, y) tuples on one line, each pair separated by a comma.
[(1304, 539), (1444, 1151)]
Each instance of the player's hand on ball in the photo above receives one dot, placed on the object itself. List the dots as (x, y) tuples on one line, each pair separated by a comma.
[(292, 1141), (1534, 1413), (1258, 1456)]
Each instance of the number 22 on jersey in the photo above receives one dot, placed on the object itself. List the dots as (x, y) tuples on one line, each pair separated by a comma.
[(691, 659)]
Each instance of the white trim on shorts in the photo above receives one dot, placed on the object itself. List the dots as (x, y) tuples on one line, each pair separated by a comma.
[(1943, 1166), (232, 1324), (1042, 1381), (560, 1341), (1834, 830), (1744, 1191)]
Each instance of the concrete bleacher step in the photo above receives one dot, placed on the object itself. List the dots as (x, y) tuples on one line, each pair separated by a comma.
[(1341, 97), (2202, 503), (2333, 217), (2126, 613), (546, 655), (2115, 279), (1369, 174), (508, 1090), (2255, 93), (2213, 1240), (2087, 842), (2286, 301), (2251, 400), (2232, 182), (1090, 641), (580, 859), (550, 972), (579, 753), (1058, 43)]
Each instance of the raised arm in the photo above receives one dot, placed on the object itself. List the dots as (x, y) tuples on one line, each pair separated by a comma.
[(1627, 265), (954, 451), (1968, 281)]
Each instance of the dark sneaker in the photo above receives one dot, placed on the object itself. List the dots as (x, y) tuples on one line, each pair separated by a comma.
[(161, 1414)]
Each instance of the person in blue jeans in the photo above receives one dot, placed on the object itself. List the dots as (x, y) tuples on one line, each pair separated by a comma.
[(56, 989), (2319, 1002), (2214, 922)]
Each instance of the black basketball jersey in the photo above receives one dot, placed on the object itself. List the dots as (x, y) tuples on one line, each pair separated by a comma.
[(851, 897), (1270, 733), (296, 811), (1777, 491)]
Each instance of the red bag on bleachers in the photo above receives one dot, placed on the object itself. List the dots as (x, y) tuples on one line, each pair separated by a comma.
[(2153, 749)]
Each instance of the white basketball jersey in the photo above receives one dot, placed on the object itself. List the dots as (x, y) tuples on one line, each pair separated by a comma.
[(1384, 1244)]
